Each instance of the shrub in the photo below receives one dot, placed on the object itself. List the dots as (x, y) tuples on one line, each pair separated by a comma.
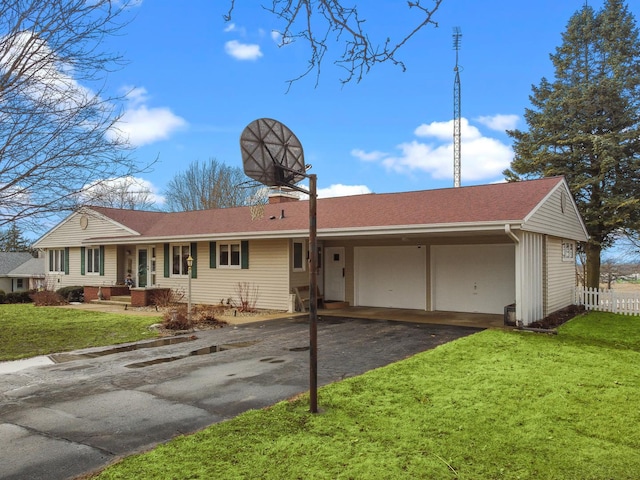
[(206, 314), (247, 297), (72, 294), (2, 296), (177, 319), (47, 298), (166, 297), (19, 297)]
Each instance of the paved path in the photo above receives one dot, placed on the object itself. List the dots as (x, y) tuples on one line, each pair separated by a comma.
[(63, 420)]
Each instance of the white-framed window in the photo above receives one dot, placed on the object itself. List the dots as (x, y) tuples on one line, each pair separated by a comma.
[(56, 260), (568, 251), (298, 259), (179, 256), (229, 255), (92, 260), (19, 283)]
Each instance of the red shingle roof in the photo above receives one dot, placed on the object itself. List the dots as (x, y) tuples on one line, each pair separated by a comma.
[(502, 202)]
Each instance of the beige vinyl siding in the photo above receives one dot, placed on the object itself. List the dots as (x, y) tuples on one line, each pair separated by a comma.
[(59, 280), (561, 277), (268, 275), (551, 220), (70, 233)]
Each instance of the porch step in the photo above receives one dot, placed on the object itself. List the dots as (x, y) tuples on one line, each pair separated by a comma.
[(115, 300)]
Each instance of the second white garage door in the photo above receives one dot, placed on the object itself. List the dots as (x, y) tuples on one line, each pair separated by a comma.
[(473, 278), (391, 277)]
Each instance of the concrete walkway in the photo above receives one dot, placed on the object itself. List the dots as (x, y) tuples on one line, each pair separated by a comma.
[(70, 418)]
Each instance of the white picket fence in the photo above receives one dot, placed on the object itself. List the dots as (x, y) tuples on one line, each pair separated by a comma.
[(625, 303)]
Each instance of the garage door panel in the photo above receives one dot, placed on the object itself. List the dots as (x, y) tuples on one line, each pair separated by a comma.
[(473, 278), (391, 277)]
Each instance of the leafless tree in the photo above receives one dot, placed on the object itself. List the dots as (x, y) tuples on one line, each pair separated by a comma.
[(318, 22), (129, 193), (56, 120), (209, 185)]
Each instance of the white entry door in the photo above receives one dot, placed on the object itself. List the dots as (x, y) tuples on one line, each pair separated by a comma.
[(334, 273)]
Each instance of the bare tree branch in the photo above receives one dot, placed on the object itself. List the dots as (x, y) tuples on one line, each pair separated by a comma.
[(56, 119), (318, 21), (209, 185)]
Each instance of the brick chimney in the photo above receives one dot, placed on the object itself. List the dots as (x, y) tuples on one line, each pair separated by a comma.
[(278, 196)]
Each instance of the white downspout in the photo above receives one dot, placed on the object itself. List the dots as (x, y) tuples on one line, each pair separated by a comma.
[(518, 279), (509, 232)]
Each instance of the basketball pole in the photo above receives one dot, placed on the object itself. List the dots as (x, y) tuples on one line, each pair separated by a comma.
[(313, 296), (269, 150)]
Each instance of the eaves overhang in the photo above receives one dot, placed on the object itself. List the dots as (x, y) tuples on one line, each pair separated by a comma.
[(323, 233)]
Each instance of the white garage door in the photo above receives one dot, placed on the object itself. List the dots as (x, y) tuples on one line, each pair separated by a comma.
[(392, 277), (473, 278)]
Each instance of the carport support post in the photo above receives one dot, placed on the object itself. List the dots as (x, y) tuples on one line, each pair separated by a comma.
[(313, 297)]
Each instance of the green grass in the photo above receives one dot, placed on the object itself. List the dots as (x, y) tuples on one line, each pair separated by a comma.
[(28, 331), (495, 405)]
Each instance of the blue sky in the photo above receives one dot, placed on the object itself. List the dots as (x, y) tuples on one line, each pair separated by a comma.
[(195, 82)]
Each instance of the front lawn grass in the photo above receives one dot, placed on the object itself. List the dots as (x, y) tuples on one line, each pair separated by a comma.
[(495, 405), (27, 331)]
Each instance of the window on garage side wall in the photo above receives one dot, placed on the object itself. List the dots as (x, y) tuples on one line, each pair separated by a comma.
[(298, 252)]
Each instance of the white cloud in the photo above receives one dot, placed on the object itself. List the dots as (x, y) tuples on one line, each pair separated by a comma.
[(368, 156), (114, 191), (230, 28), (340, 190), (242, 51), (141, 125), (482, 158), (43, 77), (279, 39), (335, 190), (499, 122)]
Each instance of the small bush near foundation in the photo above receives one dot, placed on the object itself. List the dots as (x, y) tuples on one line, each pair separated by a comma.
[(47, 298), (19, 297), (207, 314), (72, 294), (2, 295), (167, 297), (176, 318)]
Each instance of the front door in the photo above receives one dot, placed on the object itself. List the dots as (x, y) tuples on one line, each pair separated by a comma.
[(334, 273), (143, 267)]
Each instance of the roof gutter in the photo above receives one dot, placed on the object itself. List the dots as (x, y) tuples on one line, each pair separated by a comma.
[(513, 236)]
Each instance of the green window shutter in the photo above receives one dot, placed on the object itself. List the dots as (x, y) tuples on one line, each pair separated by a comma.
[(166, 260), (193, 249), (82, 259), (244, 254), (102, 260), (66, 261), (51, 260), (212, 254)]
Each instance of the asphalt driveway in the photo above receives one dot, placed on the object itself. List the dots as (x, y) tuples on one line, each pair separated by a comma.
[(97, 405)]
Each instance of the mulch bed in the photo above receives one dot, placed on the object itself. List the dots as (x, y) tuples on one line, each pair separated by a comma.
[(558, 318)]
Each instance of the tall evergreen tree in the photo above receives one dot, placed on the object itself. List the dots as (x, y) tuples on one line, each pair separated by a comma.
[(13, 240), (585, 125)]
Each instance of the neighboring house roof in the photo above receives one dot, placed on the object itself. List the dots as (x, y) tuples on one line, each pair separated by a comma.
[(32, 268), (451, 209), (9, 261)]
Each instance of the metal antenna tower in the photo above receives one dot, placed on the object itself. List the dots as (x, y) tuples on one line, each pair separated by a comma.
[(457, 35)]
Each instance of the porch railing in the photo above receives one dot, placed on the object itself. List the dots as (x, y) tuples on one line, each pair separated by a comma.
[(625, 303)]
